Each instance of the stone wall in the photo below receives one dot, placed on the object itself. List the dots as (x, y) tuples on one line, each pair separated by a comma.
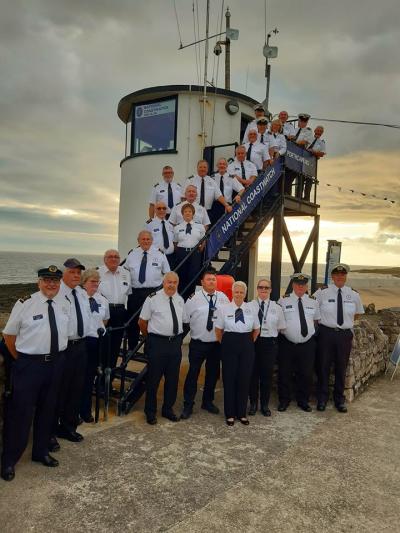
[(374, 338)]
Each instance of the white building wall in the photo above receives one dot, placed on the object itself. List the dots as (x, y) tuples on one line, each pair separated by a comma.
[(139, 174)]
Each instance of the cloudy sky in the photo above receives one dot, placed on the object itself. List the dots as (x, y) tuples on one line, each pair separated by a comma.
[(65, 64)]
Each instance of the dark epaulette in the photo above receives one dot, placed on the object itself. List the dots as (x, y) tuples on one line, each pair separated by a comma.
[(179, 203), (25, 298), (354, 290), (308, 128), (97, 268), (156, 185), (66, 297), (179, 184), (311, 296), (160, 250), (191, 296), (152, 294), (323, 287), (287, 294), (148, 221)]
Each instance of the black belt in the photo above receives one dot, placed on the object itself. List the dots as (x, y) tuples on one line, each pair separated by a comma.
[(204, 342), (116, 306), (186, 249), (297, 343), (145, 289), (335, 329), (75, 341), (43, 358), (166, 337)]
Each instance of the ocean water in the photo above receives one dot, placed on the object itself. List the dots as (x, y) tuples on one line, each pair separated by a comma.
[(21, 267)]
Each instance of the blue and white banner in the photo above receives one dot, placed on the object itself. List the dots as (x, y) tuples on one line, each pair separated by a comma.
[(299, 160), (253, 195)]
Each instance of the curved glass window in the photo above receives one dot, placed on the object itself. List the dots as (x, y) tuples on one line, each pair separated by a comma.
[(154, 126)]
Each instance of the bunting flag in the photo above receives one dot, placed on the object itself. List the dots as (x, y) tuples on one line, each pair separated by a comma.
[(366, 195)]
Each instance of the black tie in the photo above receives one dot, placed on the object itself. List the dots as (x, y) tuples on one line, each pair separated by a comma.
[(53, 329), (262, 138), (221, 185), (297, 134), (170, 197), (165, 235), (174, 317), (94, 306), (239, 317), (243, 170), (303, 323), (202, 201), (261, 312), (142, 271), (339, 308), (249, 151), (79, 319), (210, 313), (188, 228), (312, 144)]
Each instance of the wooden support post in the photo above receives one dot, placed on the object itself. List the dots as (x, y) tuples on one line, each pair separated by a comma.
[(314, 269), (276, 259)]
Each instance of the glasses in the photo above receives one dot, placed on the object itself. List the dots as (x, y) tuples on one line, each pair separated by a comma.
[(263, 287), (161, 208), (50, 280), (112, 257)]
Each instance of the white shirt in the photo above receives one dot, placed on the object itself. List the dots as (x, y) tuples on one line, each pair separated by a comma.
[(97, 319), (211, 189), (273, 320), (288, 129), (159, 193), (29, 321), (196, 313), (157, 266), (188, 240), (290, 307), (327, 299), (250, 126), (157, 311), (318, 146), (305, 134), (230, 184), (278, 143), (84, 306), (156, 228), (226, 318), (259, 154), (115, 286), (263, 138), (200, 214), (235, 169)]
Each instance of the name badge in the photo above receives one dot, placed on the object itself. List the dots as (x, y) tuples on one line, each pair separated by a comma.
[(333, 301), (154, 264), (289, 307), (37, 317), (125, 283), (229, 316), (161, 190), (156, 229), (181, 230)]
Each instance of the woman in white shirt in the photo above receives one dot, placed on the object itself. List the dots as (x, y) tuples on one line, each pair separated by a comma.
[(272, 321), (187, 235), (236, 328), (99, 315)]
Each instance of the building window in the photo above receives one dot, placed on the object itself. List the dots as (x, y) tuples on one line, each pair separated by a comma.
[(154, 126)]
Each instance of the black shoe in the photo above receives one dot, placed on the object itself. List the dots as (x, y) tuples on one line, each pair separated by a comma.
[(8, 473), (283, 406), (46, 460), (321, 406), (265, 410), (170, 416), (210, 407), (244, 421), (304, 407), (341, 408), (80, 420), (54, 445), (252, 409), (72, 436), (186, 413), (151, 419), (230, 422), (88, 419)]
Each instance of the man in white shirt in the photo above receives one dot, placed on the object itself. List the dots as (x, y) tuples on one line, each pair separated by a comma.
[(287, 127), (259, 112), (256, 152), (340, 305), (161, 321), (162, 231), (200, 213), (115, 285), (244, 171), (167, 191)]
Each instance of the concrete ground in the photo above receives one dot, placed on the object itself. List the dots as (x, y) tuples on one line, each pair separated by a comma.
[(293, 472)]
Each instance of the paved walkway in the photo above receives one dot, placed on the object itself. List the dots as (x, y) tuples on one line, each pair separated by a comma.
[(299, 472)]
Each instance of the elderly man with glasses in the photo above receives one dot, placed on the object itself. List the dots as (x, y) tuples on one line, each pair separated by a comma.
[(162, 231), (272, 321)]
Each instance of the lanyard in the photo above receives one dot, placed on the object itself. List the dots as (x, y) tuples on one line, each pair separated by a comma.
[(206, 297), (265, 315)]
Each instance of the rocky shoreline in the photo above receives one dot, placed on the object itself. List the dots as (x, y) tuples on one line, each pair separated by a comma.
[(10, 293)]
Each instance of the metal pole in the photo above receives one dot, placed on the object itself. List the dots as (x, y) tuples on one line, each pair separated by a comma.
[(203, 133), (227, 51), (267, 75)]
